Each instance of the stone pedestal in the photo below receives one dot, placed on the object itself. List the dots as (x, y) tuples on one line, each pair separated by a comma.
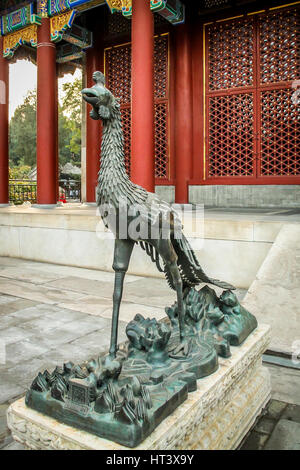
[(217, 416)]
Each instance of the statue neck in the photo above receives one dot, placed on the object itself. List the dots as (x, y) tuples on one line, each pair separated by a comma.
[(112, 153), (113, 181)]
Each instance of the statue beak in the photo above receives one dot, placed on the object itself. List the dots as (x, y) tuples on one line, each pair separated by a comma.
[(90, 96)]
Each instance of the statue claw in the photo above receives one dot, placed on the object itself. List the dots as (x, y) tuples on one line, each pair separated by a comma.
[(183, 347), (112, 366)]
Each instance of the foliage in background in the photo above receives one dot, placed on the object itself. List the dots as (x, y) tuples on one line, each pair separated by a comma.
[(22, 130), (65, 137), (22, 133), (71, 107), (19, 172)]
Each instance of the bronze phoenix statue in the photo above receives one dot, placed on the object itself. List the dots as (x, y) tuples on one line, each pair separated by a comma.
[(121, 201)]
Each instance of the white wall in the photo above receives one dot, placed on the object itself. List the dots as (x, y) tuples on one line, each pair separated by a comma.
[(232, 250)]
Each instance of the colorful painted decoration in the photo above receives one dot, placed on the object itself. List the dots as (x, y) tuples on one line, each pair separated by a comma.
[(126, 7), (19, 19), (118, 5), (114, 5), (67, 52), (79, 37), (42, 8), (172, 10), (12, 41), (60, 23), (58, 6)]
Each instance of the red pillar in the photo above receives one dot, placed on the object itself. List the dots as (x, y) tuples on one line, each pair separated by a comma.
[(142, 117), (57, 134), (4, 96), (198, 102), (46, 117), (94, 62), (183, 113)]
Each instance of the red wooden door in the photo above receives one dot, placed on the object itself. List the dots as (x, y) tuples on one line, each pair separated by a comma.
[(252, 120), (118, 81)]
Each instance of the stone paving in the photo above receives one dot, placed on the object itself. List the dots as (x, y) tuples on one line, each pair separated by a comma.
[(278, 428), (50, 314)]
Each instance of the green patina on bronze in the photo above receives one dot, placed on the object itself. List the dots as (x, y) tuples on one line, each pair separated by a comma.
[(122, 202), (124, 395), (126, 398), (223, 318)]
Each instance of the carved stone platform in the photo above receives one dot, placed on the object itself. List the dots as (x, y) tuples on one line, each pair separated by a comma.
[(216, 416)]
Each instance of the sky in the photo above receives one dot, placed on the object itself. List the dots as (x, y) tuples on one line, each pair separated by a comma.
[(22, 78)]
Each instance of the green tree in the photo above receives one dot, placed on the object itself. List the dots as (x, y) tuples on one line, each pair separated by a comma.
[(19, 172), (72, 107), (22, 132), (65, 136)]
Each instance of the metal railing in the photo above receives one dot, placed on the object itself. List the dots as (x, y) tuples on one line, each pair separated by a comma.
[(21, 191)]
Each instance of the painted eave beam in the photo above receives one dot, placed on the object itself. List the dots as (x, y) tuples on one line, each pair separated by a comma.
[(19, 19), (172, 10)]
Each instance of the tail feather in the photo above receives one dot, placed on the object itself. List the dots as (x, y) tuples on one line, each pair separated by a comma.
[(191, 271), (152, 253)]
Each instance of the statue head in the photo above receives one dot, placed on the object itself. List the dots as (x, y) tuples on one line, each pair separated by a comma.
[(99, 97), (99, 78)]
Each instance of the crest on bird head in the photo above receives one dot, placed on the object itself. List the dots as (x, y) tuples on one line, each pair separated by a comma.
[(100, 98)]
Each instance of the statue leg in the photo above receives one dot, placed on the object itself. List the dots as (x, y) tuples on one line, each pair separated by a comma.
[(167, 252), (122, 254)]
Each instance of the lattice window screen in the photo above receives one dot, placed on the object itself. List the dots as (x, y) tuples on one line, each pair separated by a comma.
[(280, 141), (280, 65), (126, 124), (117, 24), (252, 126), (230, 54), (232, 139), (118, 80), (279, 46), (118, 66), (214, 3)]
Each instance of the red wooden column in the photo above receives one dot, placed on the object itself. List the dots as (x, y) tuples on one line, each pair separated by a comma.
[(57, 133), (198, 102), (4, 96), (46, 117), (142, 101), (94, 62), (183, 113)]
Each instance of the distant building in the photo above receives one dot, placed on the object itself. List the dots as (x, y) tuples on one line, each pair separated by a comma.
[(69, 169), (32, 174), (217, 122)]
